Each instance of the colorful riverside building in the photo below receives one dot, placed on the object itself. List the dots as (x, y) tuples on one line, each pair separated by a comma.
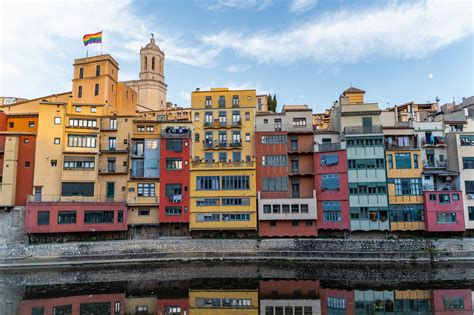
[(404, 168), (223, 183), (225, 302), (175, 163), (331, 182), (359, 124), (17, 157), (285, 172), (80, 181)]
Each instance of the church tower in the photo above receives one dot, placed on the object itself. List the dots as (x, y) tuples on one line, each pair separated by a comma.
[(151, 87)]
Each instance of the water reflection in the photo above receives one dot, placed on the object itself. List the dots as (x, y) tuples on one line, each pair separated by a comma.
[(239, 297)]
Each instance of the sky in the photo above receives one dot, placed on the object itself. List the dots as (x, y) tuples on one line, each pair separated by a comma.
[(304, 51)]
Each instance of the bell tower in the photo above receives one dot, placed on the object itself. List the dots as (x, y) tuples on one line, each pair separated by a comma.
[(152, 61), (151, 87)]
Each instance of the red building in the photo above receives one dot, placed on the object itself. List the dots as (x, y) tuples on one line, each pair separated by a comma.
[(81, 304), (444, 211), (285, 175), (173, 306), (17, 157), (337, 301), (174, 176), (330, 164), (452, 302)]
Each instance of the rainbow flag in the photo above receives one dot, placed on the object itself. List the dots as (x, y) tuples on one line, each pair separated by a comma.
[(92, 38)]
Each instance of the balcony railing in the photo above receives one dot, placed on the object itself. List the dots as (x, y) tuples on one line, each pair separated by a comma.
[(440, 187), (60, 198), (171, 132), (355, 130), (223, 165), (285, 127), (434, 141), (396, 146), (209, 144), (324, 147), (434, 164), (117, 169)]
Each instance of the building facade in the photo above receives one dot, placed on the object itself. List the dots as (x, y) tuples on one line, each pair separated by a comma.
[(223, 176), (285, 172)]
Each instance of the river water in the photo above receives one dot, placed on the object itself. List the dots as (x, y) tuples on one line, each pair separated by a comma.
[(238, 289)]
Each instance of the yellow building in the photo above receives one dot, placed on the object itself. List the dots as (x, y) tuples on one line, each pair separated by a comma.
[(223, 302), (404, 168), (223, 184)]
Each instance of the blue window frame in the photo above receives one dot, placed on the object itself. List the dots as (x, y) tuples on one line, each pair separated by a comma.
[(329, 159), (207, 183), (330, 181), (236, 156), (403, 160), (331, 211)]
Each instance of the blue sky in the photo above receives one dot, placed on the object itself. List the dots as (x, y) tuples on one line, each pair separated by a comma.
[(305, 51)]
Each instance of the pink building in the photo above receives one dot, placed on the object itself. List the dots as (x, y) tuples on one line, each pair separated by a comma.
[(452, 302), (444, 211)]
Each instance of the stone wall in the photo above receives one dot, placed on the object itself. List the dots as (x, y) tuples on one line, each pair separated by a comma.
[(12, 226)]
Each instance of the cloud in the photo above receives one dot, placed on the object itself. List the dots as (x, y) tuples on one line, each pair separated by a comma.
[(235, 68), (300, 6), (409, 30), (38, 53), (223, 5)]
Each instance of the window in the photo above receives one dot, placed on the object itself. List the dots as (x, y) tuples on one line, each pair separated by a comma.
[(175, 145), (330, 181), (96, 89), (31, 124), (208, 101), (26, 141), (54, 163), (222, 119), (273, 224), (329, 159), (276, 208), (150, 128), (403, 160), (208, 217), (415, 160), (470, 211), (469, 184), (309, 223), (97, 70), (265, 121), (295, 209), (299, 121), (267, 208), (196, 116), (235, 100), (84, 123), (331, 211), (235, 217), (432, 197), (406, 213), (235, 201), (79, 163), (304, 208), (77, 189), (467, 140), (143, 212), (78, 109), (221, 101), (468, 162), (274, 160), (205, 202), (174, 164), (407, 186), (367, 121), (444, 198), (453, 303), (235, 182), (27, 163), (93, 109), (365, 164), (236, 156), (112, 143), (222, 156), (247, 137), (62, 309), (146, 190), (106, 216), (247, 116), (43, 218), (79, 91), (295, 223), (140, 128), (275, 184), (151, 144), (174, 192), (173, 210), (446, 218), (57, 120), (11, 124), (81, 73), (82, 141), (66, 217), (276, 139), (207, 183)]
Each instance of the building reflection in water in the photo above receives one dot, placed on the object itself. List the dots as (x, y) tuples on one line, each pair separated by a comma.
[(264, 297)]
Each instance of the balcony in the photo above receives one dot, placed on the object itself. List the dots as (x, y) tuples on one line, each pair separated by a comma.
[(60, 198), (222, 165), (290, 128), (171, 132), (327, 147), (209, 144), (434, 163), (301, 148), (236, 144), (216, 124), (360, 130), (433, 142), (440, 187), (117, 169), (394, 143)]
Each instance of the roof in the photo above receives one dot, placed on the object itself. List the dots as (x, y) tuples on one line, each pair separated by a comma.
[(353, 90)]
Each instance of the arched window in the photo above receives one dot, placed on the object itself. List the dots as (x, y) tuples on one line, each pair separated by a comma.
[(153, 63), (146, 61)]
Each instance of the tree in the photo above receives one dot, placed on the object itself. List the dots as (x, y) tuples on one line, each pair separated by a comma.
[(274, 103)]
